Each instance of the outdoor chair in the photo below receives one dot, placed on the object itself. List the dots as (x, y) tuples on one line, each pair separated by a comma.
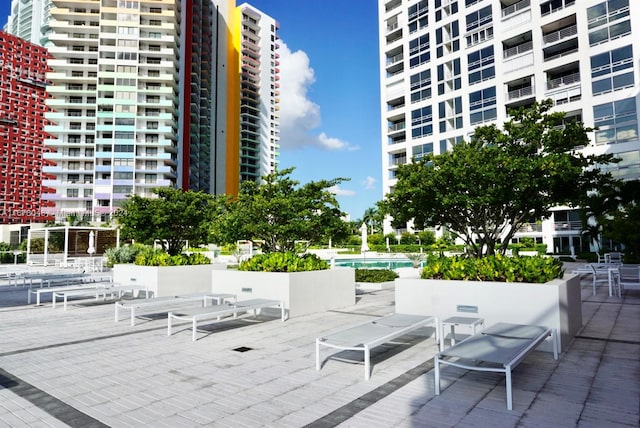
[(499, 348), (373, 333)]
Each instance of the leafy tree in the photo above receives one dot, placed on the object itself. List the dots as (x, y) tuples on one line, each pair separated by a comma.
[(279, 212), (613, 212), (484, 190), (173, 217), (374, 218)]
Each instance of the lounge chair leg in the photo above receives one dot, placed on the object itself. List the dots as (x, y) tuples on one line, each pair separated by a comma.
[(317, 354), (509, 397), (194, 327), (169, 325), (367, 363), (436, 374)]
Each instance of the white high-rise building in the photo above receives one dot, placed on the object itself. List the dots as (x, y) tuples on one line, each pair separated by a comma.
[(27, 19), (448, 66)]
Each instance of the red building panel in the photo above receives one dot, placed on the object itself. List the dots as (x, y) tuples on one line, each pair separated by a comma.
[(23, 67)]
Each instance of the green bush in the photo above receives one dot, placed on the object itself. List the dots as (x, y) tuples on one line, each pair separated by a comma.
[(375, 275), (283, 262), (538, 269), (123, 254), (158, 257)]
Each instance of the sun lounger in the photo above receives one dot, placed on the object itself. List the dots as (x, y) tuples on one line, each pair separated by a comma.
[(98, 292), (40, 291), (196, 316), (372, 333), (500, 348), (167, 303)]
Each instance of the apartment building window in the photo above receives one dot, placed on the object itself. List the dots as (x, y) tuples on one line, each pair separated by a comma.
[(479, 18), (150, 178), (482, 105), (422, 122), (421, 86), (450, 114), (122, 162), (609, 68), (75, 152), (606, 12), (447, 39), (481, 65), (73, 166), (616, 121), (449, 76), (73, 178), (72, 193), (123, 190), (118, 175), (419, 51), (421, 150), (449, 8), (447, 143), (128, 56), (123, 148), (610, 33), (88, 193), (150, 164)]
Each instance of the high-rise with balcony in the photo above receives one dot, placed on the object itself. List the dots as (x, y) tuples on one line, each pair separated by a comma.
[(27, 19), (448, 66), (148, 93), (23, 67)]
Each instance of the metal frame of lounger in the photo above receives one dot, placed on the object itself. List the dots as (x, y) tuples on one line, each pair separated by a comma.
[(372, 333), (166, 303), (504, 345), (99, 291), (219, 311), (84, 286)]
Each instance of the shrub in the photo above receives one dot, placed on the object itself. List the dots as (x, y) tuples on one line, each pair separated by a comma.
[(538, 269), (158, 257), (283, 262), (375, 275), (123, 254)]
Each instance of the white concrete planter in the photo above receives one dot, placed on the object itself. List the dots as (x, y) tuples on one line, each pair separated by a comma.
[(302, 292), (168, 280), (556, 304)]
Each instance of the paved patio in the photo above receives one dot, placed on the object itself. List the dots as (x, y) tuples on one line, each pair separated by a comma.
[(79, 368)]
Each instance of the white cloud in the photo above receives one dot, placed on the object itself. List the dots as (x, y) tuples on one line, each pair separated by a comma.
[(369, 183), (299, 116), (336, 190)]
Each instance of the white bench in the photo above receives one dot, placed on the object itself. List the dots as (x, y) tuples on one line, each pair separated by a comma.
[(196, 316), (372, 333), (40, 291), (166, 303), (98, 292)]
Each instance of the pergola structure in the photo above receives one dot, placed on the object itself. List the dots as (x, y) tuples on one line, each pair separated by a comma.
[(58, 243)]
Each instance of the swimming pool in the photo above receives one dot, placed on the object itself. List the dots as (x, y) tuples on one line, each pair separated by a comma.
[(374, 263)]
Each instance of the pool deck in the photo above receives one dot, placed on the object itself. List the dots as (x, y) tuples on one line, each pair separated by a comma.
[(79, 368)]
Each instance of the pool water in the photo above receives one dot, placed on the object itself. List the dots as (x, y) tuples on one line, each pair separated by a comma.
[(374, 263)]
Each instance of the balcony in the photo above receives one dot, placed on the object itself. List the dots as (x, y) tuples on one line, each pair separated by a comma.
[(519, 49), (517, 94), (515, 8), (560, 35), (567, 80), (555, 6)]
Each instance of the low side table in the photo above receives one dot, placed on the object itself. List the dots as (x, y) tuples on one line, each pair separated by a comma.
[(453, 322)]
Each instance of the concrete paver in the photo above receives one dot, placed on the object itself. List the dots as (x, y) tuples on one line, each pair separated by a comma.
[(80, 364)]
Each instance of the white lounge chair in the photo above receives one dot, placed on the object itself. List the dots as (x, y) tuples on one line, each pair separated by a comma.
[(499, 348), (196, 316), (167, 303), (372, 333), (98, 292)]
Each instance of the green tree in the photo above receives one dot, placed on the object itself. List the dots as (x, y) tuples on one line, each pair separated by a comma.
[(279, 212), (173, 217), (484, 190), (613, 212), (374, 218)]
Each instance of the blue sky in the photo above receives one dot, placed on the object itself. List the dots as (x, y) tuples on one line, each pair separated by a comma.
[(330, 101)]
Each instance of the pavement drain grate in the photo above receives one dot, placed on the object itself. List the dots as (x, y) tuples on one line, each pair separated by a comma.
[(242, 349)]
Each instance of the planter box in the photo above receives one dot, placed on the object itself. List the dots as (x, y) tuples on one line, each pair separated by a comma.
[(556, 304), (372, 286), (168, 280), (302, 292)]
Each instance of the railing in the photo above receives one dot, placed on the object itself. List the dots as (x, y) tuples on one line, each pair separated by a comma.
[(514, 8), (530, 227), (392, 27), (561, 6), (516, 50), (397, 127), (399, 161), (519, 93), (569, 79), (567, 225), (395, 59), (560, 34)]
